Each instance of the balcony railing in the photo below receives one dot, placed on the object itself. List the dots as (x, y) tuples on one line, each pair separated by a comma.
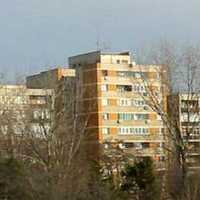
[(194, 151), (145, 151)]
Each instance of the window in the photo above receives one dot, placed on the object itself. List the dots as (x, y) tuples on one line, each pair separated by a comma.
[(139, 88), (105, 116), (138, 103), (128, 88), (39, 130), (137, 75), (36, 114), (133, 131), (38, 99), (36, 128), (138, 145), (104, 102), (126, 145), (18, 129), (131, 74), (159, 117), (118, 61), (4, 129), (125, 74), (145, 145), (20, 114), (105, 72), (47, 114), (41, 114), (161, 131), (105, 130), (141, 116), (121, 74), (125, 116), (131, 116), (124, 88), (104, 88), (125, 61), (124, 102), (19, 100)]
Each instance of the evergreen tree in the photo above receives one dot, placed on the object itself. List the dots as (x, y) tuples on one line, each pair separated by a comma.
[(139, 180), (12, 180)]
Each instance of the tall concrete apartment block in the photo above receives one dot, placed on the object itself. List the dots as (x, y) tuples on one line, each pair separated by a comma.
[(185, 109), (111, 91)]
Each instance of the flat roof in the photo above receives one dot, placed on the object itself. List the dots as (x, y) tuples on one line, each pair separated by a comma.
[(49, 70), (125, 53)]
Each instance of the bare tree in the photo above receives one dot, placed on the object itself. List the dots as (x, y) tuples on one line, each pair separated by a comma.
[(179, 76), (58, 146)]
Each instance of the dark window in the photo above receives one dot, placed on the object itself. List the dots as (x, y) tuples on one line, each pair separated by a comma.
[(105, 72), (145, 145)]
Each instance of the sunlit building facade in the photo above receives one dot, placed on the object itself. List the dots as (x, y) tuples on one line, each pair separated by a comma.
[(111, 91)]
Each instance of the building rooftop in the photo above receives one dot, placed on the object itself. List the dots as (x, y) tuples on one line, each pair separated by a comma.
[(123, 53), (58, 68)]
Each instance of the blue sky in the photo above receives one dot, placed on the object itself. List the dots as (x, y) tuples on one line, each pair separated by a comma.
[(35, 34)]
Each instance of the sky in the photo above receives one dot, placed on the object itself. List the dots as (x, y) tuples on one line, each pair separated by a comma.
[(38, 34)]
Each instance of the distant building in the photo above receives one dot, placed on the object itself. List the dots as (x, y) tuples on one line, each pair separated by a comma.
[(185, 110), (48, 79), (62, 82), (20, 105)]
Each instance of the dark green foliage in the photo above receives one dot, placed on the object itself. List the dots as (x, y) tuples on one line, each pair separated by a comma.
[(12, 180), (139, 180)]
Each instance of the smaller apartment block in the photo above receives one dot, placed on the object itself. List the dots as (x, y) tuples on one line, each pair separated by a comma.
[(185, 109), (21, 109), (62, 82), (49, 79)]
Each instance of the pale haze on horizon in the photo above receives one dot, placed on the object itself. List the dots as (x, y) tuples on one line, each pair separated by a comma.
[(36, 34)]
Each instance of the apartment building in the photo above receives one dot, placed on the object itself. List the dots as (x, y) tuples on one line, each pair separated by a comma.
[(62, 82), (185, 110), (49, 79), (111, 91), (20, 106)]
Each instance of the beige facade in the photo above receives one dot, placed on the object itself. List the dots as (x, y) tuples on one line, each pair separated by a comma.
[(186, 111), (20, 106), (110, 90), (48, 79), (113, 95)]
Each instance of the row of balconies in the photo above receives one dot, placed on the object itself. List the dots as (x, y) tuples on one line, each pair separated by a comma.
[(144, 138), (145, 151), (133, 122), (194, 151), (119, 108), (126, 80)]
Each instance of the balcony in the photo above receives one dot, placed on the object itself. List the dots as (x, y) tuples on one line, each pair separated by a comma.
[(194, 152), (142, 152), (144, 138), (190, 110), (132, 122), (192, 138)]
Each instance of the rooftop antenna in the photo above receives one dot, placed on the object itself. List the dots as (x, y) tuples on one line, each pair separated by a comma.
[(106, 46), (101, 45), (98, 42)]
